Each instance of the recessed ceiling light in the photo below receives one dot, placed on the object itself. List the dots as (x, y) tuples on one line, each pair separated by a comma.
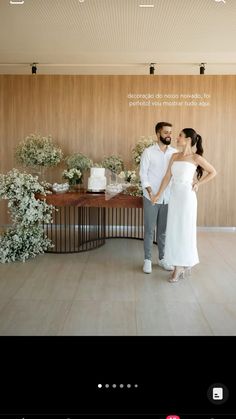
[(146, 5), (17, 1)]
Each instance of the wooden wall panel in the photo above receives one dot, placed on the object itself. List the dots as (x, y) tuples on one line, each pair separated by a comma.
[(91, 114)]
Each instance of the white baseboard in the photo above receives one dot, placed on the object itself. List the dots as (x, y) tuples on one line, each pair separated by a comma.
[(218, 229), (199, 228)]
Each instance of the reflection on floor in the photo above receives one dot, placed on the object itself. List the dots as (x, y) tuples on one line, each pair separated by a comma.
[(105, 292)]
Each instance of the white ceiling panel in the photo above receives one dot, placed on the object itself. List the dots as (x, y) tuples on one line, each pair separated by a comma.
[(118, 37)]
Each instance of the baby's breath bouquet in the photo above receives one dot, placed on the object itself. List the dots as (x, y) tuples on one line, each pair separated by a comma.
[(134, 190), (79, 161), (26, 238), (36, 150), (137, 151), (114, 163), (98, 165), (77, 164), (133, 185), (74, 176), (129, 176), (21, 243)]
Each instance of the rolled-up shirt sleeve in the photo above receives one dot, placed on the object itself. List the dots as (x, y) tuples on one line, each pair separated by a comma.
[(144, 165)]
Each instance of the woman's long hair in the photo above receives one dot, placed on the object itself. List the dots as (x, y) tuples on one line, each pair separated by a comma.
[(195, 139)]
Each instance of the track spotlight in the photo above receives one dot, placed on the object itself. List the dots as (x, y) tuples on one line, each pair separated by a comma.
[(152, 68), (202, 68), (34, 68)]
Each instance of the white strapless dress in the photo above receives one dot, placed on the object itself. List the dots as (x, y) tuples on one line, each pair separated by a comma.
[(181, 241)]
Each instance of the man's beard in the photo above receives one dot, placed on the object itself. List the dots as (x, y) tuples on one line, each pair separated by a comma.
[(166, 140)]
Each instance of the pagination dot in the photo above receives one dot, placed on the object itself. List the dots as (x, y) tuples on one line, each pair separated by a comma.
[(107, 385), (99, 385)]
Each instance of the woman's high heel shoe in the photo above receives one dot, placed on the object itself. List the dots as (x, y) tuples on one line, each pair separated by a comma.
[(187, 271), (176, 277)]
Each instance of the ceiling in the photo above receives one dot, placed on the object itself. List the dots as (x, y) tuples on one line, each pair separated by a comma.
[(118, 37)]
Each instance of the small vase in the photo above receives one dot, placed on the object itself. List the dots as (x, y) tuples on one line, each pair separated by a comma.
[(76, 184), (72, 186), (79, 181), (75, 187)]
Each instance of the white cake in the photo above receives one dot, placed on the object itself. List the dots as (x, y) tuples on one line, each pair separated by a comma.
[(97, 180)]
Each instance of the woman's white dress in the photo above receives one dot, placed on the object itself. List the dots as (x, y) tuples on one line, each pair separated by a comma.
[(181, 241)]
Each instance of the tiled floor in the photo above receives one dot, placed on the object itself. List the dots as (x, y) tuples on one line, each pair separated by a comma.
[(105, 292)]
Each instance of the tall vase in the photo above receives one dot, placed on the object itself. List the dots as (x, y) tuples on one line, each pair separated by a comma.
[(38, 171), (42, 171), (35, 171)]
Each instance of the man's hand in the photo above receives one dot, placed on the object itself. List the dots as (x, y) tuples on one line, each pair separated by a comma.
[(149, 191), (155, 198)]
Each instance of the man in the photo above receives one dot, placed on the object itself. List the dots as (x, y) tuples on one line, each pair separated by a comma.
[(154, 163)]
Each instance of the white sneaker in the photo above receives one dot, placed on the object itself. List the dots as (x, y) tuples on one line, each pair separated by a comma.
[(147, 266), (164, 265)]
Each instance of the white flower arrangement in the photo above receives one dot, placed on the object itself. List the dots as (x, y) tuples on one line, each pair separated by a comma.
[(36, 150), (26, 238), (114, 163), (79, 161), (73, 175), (21, 243), (137, 151), (135, 190), (129, 176)]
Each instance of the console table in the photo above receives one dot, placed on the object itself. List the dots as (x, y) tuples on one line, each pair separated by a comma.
[(83, 221)]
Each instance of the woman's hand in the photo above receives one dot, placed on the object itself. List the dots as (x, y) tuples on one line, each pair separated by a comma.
[(195, 186)]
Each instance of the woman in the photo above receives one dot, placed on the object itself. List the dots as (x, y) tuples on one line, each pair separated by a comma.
[(186, 168)]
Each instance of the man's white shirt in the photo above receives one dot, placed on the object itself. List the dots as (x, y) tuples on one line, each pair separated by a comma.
[(153, 167)]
